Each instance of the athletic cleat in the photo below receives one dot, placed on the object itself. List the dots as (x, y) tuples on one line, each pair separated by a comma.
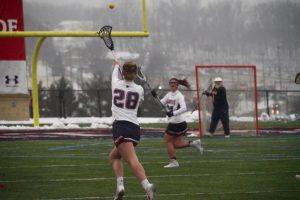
[(192, 135), (197, 144), (208, 134), (119, 193), (173, 164), (227, 136), (151, 192)]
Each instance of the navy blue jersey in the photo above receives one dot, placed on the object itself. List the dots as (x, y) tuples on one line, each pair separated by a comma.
[(220, 99)]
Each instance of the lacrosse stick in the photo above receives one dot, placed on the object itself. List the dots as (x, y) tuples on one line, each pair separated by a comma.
[(142, 77), (105, 34), (297, 78), (209, 87), (195, 107)]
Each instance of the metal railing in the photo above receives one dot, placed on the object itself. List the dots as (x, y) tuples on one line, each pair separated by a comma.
[(97, 103)]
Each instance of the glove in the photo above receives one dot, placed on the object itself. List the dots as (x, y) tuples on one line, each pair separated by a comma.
[(154, 94), (206, 93), (170, 113)]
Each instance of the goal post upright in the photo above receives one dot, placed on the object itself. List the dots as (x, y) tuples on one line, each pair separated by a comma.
[(256, 99), (224, 66), (198, 104), (42, 35)]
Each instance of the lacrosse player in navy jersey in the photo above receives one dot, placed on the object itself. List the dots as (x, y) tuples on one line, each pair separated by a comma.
[(177, 127), (221, 107), (126, 98)]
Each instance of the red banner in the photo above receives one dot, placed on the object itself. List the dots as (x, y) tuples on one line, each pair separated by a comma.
[(11, 19)]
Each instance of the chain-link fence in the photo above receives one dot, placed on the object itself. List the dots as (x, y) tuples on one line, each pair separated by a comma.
[(97, 103)]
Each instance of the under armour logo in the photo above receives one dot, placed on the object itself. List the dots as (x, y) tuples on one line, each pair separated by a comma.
[(8, 80)]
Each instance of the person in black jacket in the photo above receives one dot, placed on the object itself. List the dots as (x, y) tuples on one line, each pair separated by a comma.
[(220, 107)]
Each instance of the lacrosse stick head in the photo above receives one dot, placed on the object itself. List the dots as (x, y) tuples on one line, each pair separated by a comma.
[(209, 84), (105, 34)]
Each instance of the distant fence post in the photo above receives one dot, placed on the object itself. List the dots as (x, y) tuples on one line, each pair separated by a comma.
[(30, 104), (61, 104), (267, 97), (99, 103)]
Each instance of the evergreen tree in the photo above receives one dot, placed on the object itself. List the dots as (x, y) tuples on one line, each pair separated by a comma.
[(96, 97), (59, 101), (44, 107)]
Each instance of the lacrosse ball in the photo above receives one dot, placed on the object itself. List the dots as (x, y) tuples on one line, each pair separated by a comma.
[(111, 5)]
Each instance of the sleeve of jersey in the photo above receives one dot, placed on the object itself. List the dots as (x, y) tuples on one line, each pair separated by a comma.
[(115, 74), (164, 99), (182, 108), (142, 95)]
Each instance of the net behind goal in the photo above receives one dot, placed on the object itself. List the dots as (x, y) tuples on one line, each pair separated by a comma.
[(241, 90)]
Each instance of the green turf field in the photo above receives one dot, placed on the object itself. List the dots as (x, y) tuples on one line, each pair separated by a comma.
[(238, 168)]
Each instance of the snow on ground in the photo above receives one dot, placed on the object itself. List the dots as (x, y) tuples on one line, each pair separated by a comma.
[(103, 122), (72, 123), (241, 119), (95, 122)]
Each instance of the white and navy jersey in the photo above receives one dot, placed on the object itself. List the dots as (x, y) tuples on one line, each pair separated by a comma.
[(175, 101), (126, 98)]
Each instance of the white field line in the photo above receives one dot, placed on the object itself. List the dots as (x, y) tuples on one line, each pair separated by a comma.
[(149, 158), (139, 151), (183, 194), (148, 163), (98, 155), (160, 176)]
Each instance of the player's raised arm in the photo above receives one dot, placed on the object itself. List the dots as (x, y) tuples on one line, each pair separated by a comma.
[(115, 73)]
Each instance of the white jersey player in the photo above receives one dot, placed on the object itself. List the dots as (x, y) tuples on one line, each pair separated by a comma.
[(177, 127), (174, 102), (126, 98)]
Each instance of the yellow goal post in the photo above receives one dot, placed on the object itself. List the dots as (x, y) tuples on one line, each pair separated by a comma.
[(42, 35)]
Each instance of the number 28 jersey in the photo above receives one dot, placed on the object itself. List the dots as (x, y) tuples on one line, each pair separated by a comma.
[(126, 98)]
